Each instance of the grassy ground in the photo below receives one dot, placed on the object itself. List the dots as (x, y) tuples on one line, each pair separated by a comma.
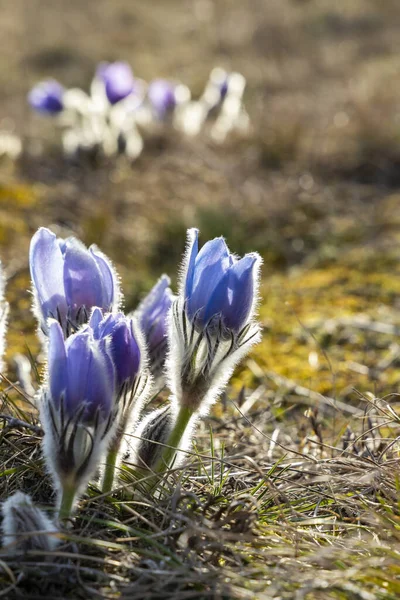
[(299, 497)]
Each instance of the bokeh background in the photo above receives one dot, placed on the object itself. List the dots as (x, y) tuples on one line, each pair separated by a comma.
[(314, 187)]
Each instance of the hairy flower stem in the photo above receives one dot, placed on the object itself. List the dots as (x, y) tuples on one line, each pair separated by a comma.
[(172, 445), (67, 502), (111, 461)]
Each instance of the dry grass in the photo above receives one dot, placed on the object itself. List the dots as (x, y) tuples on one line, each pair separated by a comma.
[(271, 504)]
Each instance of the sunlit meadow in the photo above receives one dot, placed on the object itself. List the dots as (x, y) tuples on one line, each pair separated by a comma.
[(182, 416)]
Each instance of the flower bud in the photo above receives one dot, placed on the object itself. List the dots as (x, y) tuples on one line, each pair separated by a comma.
[(118, 80), (47, 97), (211, 324), (152, 316), (78, 406), (68, 280), (219, 286), (124, 347), (26, 527), (161, 94)]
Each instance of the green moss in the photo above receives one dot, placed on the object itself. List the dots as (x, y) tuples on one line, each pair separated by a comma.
[(304, 338)]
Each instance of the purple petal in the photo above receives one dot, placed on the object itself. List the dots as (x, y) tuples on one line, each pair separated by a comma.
[(161, 94), (47, 97), (79, 362), (82, 277), (152, 314), (109, 277), (154, 303), (234, 295), (46, 265), (223, 89), (95, 319), (212, 262), (191, 253), (125, 352), (118, 80), (100, 390), (108, 323), (57, 363)]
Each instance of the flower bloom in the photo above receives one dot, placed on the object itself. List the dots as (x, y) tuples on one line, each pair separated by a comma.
[(210, 329), (118, 80), (211, 325), (81, 375), (126, 345), (124, 348), (47, 97), (77, 408), (69, 279), (219, 285), (161, 94), (152, 315), (121, 336)]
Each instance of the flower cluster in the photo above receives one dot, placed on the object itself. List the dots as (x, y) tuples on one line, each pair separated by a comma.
[(121, 109), (98, 378), (103, 366)]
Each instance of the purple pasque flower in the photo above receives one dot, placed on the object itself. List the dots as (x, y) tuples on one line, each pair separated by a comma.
[(69, 280), (117, 330), (47, 97), (152, 315), (211, 327), (219, 285), (118, 80), (161, 94), (81, 376), (78, 410)]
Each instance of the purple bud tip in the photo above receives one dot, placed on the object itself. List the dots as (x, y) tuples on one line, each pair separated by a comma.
[(161, 94), (124, 348), (223, 90), (47, 97), (118, 80), (219, 285), (81, 374), (152, 313)]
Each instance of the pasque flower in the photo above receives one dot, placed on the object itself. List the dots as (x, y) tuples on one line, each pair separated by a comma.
[(211, 327), (218, 286), (133, 381), (47, 97), (152, 316), (161, 94), (119, 331), (118, 80), (77, 409), (69, 280)]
